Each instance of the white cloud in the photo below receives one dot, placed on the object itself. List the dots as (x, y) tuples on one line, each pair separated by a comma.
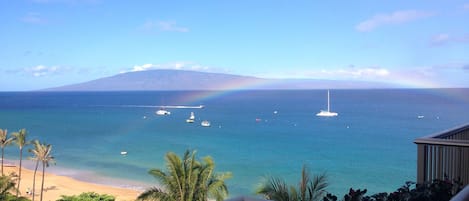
[(34, 18), (143, 67), (163, 26), (173, 66), (41, 70), (397, 17), (351, 73)]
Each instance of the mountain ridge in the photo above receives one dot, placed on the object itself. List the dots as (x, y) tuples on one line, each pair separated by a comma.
[(165, 79)]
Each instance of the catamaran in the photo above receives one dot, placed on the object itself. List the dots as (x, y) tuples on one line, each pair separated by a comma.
[(327, 113)]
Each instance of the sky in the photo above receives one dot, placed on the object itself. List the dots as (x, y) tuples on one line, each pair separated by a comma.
[(49, 43)]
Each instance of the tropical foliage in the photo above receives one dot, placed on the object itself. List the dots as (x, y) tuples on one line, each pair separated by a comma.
[(187, 179), (90, 196), (437, 190), (7, 185), (308, 189)]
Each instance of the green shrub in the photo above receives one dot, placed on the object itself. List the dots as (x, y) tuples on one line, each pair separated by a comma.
[(438, 190), (90, 196), (11, 197)]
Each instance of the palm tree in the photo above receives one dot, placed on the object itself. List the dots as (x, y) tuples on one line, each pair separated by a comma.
[(46, 158), (187, 180), (20, 141), (308, 189), (37, 152), (41, 153), (4, 141)]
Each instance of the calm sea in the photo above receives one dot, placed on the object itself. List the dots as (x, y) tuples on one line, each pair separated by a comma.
[(253, 134)]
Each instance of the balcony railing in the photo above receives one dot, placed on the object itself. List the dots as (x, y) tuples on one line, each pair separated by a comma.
[(444, 154)]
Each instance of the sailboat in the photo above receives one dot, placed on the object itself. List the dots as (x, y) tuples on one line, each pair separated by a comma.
[(191, 118), (327, 113)]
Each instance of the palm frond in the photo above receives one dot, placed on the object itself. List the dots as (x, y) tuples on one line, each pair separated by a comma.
[(303, 186), (307, 189), (154, 194), (188, 179), (317, 187), (275, 189)]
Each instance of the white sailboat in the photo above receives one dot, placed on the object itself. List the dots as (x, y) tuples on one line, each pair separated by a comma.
[(191, 118), (327, 113)]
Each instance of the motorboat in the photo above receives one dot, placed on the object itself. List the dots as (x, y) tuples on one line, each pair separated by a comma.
[(205, 123), (162, 112)]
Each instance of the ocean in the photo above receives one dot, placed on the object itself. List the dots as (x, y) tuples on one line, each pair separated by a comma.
[(253, 134)]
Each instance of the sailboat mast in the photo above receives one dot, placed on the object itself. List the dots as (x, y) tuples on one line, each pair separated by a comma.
[(328, 109)]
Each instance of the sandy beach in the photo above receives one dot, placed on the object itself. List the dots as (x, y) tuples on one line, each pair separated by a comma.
[(56, 185)]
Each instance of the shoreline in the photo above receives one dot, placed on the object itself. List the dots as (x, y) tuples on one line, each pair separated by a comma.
[(56, 185)]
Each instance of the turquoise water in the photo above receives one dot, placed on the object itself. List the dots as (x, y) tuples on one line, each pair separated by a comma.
[(369, 145)]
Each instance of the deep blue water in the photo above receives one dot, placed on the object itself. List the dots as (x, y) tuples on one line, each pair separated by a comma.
[(369, 145)]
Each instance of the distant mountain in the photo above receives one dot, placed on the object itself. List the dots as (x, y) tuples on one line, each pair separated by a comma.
[(192, 80)]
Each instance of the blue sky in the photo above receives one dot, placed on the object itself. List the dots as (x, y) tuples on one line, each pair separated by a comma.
[(47, 43)]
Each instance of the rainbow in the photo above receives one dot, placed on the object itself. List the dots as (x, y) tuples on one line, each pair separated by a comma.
[(432, 87), (197, 97)]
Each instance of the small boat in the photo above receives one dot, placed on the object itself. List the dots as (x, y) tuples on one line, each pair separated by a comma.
[(123, 153), (205, 123), (327, 113), (162, 112), (420, 117), (191, 118)]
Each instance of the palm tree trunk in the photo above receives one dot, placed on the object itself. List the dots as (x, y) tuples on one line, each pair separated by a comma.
[(34, 179), (19, 175), (43, 172), (2, 160)]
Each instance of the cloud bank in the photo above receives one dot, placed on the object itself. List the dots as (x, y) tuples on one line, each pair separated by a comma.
[(41, 70), (351, 73), (397, 17)]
